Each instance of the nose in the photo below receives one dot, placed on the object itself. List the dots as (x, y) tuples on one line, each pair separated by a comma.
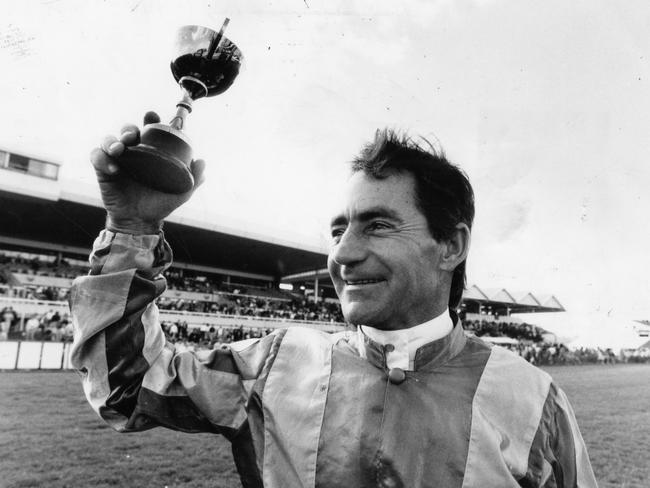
[(350, 249)]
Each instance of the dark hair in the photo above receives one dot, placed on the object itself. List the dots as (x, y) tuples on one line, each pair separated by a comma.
[(443, 192)]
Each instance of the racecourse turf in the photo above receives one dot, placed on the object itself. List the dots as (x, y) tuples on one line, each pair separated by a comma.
[(50, 437)]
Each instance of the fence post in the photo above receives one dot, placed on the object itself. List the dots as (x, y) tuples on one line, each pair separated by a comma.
[(17, 355), (40, 356), (63, 354)]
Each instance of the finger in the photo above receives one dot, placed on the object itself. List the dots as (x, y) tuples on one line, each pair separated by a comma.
[(102, 162), (151, 118), (197, 167), (130, 135), (112, 147)]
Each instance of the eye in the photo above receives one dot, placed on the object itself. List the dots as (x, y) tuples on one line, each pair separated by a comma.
[(336, 233), (378, 225)]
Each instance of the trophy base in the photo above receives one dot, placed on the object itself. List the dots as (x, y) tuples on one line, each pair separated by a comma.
[(161, 161)]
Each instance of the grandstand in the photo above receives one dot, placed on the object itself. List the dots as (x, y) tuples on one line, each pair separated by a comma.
[(225, 284)]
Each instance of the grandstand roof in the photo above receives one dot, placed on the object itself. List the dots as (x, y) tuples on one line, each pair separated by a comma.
[(500, 298), (475, 293), (500, 295), (60, 223), (528, 299)]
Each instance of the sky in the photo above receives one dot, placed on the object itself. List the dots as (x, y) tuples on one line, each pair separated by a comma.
[(545, 105)]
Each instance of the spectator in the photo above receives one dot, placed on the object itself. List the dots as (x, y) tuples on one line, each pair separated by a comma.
[(7, 319)]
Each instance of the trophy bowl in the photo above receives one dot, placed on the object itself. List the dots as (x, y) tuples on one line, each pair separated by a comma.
[(205, 64), (204, 56)]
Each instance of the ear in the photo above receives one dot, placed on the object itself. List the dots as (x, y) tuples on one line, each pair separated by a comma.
[(456, 248)]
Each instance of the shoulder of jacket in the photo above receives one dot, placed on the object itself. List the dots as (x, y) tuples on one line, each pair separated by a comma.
[(508, 379)]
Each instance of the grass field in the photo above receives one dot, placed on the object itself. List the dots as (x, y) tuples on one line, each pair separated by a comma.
[(50, 437)]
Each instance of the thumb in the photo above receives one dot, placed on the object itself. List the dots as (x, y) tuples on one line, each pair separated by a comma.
[(197, 168), (151, 118)]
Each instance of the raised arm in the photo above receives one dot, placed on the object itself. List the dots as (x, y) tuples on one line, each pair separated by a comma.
[(132, 377)]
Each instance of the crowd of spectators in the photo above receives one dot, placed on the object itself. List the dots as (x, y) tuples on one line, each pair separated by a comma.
[(536, 349), (559, 354), (49, 293), (250, 301), (514, 330), (56, 266), (49, 326), (294, 309), (206, 337), (29, 264), (184, 280), (545, 353), (231, 299)]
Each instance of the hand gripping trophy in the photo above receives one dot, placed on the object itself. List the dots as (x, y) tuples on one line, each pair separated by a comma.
[(206, 63)]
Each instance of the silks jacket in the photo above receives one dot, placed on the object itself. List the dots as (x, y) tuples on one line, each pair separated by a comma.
[(302, 408)]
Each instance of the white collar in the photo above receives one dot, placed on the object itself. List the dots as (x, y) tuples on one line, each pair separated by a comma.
[(406, 341)]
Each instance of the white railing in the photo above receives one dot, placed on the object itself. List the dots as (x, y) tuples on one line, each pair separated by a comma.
[(35, 355), (223, 320), (174, 294), (31, 306)]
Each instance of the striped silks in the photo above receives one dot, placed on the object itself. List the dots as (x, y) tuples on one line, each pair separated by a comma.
[(305, 408)]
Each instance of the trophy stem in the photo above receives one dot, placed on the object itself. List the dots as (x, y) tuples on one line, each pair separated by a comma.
[(183, 108)]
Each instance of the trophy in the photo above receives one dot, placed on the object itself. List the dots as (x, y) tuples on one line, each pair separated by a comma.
[(205, 64)]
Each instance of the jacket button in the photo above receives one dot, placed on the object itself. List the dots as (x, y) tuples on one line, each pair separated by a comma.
[(389, 348), (396, 376)]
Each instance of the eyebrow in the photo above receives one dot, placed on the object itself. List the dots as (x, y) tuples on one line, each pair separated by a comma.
[(367, 215)]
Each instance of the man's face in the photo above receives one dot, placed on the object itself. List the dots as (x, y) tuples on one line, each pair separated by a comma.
[(383, 260)]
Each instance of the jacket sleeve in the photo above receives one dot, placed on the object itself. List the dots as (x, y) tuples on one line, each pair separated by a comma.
[(132, 377), (558, 455)]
